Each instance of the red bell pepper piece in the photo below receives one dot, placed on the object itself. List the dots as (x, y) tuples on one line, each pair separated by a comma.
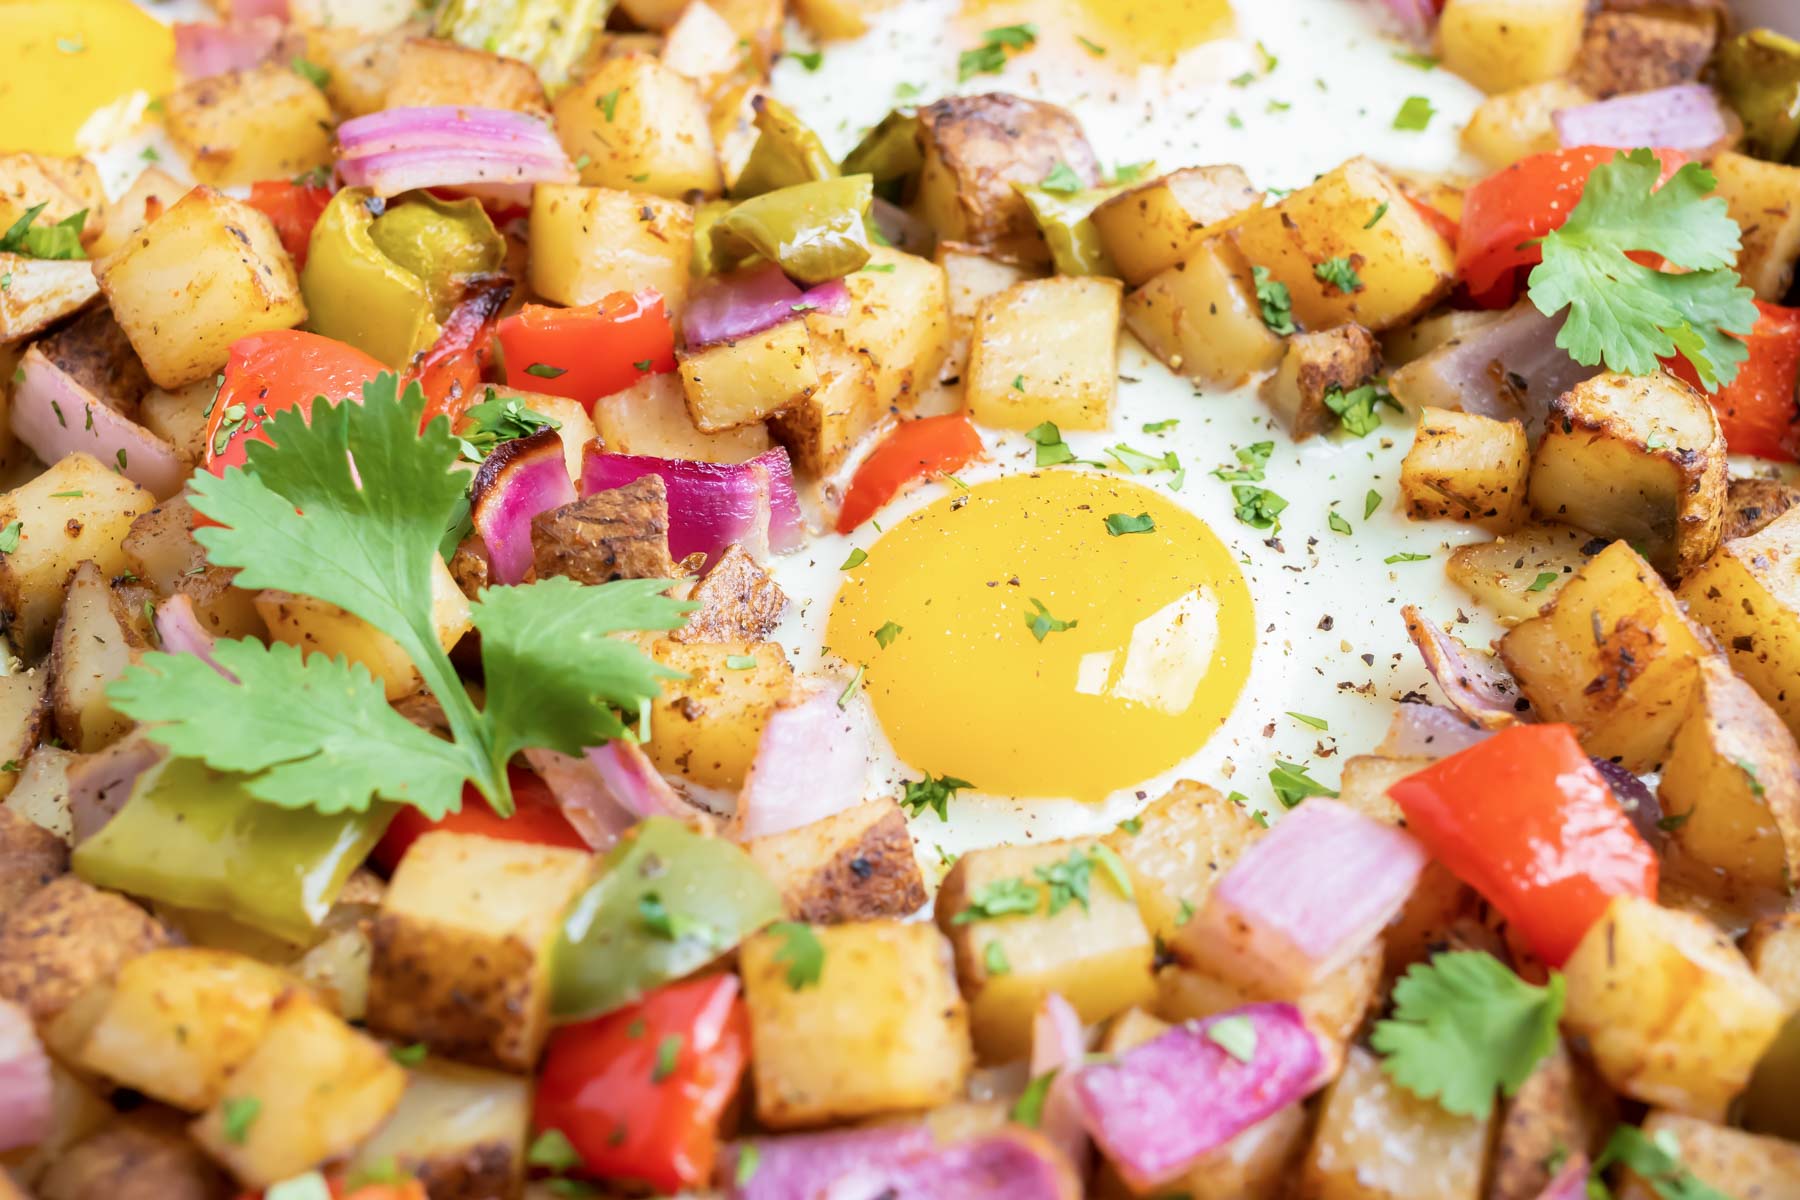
[(588, 352), (1526, 820), (915, 450), (450, 372), (1505, 214), (269, 372), (639, 1092), (294, 208), (537, 817), (1758, 410)]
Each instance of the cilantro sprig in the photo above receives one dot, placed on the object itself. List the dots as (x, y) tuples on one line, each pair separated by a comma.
[(61, 240), (1628, 315), (349, 508)]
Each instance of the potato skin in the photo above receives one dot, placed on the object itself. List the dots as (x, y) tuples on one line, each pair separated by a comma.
[(1561, 1105), (31, 857), (1640, 52), (66, 936), (856, 865), (739, 601), (1344, 358), (1751, 505)]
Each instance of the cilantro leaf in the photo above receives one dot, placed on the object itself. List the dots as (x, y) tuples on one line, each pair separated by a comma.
[(1464, 1025), (933, 793), (1276, 302), (1358, 410), (59, 241), (1628, 315), (1292, 784), (1061, 179), (802, 951), (1657, 1161), (495, 420)]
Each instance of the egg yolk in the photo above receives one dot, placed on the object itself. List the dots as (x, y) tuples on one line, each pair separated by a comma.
[(1010, 639), (61, 61), (1127, 32)]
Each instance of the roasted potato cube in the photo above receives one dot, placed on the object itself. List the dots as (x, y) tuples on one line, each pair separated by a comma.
[(32, 856), (1378, 1141), (96, 640), (1516, 575), (66, 937), (461, 945), (64, 186), (433, 72), (616, 533), (732, 384), (1317, 368), (1641, 51), (1759, 196), (1517, 124), (972, 277), (179, 418), (1464, 467), (1732, 781), (361, 62), (1614, 656), (1562, 1108), (458, 1130), (154, 191), (703, 46), (1046, 350), (1177, 848), (177, 1022), (1773, 948), (42, 292), (24, 714), (705, 727), (857, 865), (821, 430), (1674, 1014), (651, 418), (638, 125), (41, 794), (588, 242), (1151, 227), (1639, 458), (1201, 317), (975, 148), (1748, 595), (881, 1030), (161, 550), (839, 18), (320, 1088), (262, 122), (1500, 45), (87, 520), (898, 319), (1408, 344), (146, 1155), (739, 601), (1096, 955), (207, 272), (1751, 505), (1325, 236), (1732, 1161)]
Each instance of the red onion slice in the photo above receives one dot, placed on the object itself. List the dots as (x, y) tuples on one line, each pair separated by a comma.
[(1636, 798), (400, 149), (515, 483), (728, 307), (1013, 1165), (805, 1166), (1159, 1108), (1058, 1044), (1306, 898), (1570, 1183), (1683, 117), (204, 50), (711, 505), (1428, 731), (811, 762), (787, 529), (178, 631), (57, 417), (1477, 685), (26, 1099), (634, 782), (1416, 18), (1510, 368)]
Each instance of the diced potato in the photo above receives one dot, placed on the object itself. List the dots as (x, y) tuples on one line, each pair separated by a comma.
[(1500, 45), (461, 945), (1752, 504), (1639, 458), (31, 857), (1179, 847), (1732, 779), (1151, 227), (975, 148), (95, 642), (652, 14), (651, 417), (898, 319), (1409, 343), (320, 1086), (1673, 1013), (362, 64), (1748, 595), (821, 430), (881, 1030), (1402, 264), (179, 418), (459, 1130), (154, 191), (178, 1022), (1046, 350), (1316, 366), (41, 794), (1464, 467), (1760, 197), (1201, 317), (77, 509), (857, 865), (732, 384), (1516, 575), (1643, 51), (839, 18), (1096, 955), (320, 628), (262, 122), (972, 277), (732, 120), (587, 243), (41, 292), (759, 25), (1562, 1108), (705, 727), (66, 937), (703, 46), (64, 186), (1517, 124), (161, 551), (1732, 1161), (368, 16), (1614, 656), (1378, 1141), (432, 72), (207, 272), (640, 126), (23, 716), (1773, 948)]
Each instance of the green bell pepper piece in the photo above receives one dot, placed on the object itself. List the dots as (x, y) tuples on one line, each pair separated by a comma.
[(889, 152), (1771, 1104), (193, 837), (786, 153), (1759, 75), (668, 902), (704, 262), (442, 242), (815, 230), (359, 295), (552, 35), (1063, 219)]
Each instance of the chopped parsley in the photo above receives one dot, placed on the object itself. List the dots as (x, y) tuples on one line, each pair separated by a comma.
[(310, 71), (1292, 784), (553, 1151), (1161, 426), (1235, 1035), (1052, 451), (1337, 523), (857, 557), (1042, 624), (990, 57), (1371, 502), (9, 537), (1120, 524), (1340, 273), (1318, 723), (1381, 211), (1415, 114), (749, 1158), (608, 104), (1028, 1110), (1276, 302), (1657, 1161), (1413, 58), (1131, 825), (812, 60), (999, 898), (1356, 409), (1544, 580), (932, 792), (993, 957), (487, 424), (1743, 764), (669, 925), (850, 688), (740, 662), (1406, 556), (409, 1056), (884, 637), (545, 370), (236, 1115), (1253, 461), (1063, 179), (1092, 47), (1258, 507), (801, 951), (59, 241), (668, 1057)]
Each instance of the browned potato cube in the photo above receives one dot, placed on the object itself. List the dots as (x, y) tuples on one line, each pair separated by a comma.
[(42, 292), (1773, 948), (1335, 1007), (66, 937), (739, 601), (64, 186), (1499, 45), (822, 429), (639, 126), (96, 640), (1748, 595), (1046, 350), (145, 1155), (1177, 848), (1562, 1108), (651, 417), (587, 243), (1751, 505), (1760, 197), (1516, 575), (1517, 124), (153, 191), (898, 320), (732, 384), (1201, 317), (857, 865), (24, 715), (839, 18), (161, 551), (459, 1130), (1151, 227), (1464, 467), (705, 727), (972, 277), (262, 122), (1317, 368), (1732, 1161), (1641, 51), (1378, 1141), (703, 46), (431, 72)]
